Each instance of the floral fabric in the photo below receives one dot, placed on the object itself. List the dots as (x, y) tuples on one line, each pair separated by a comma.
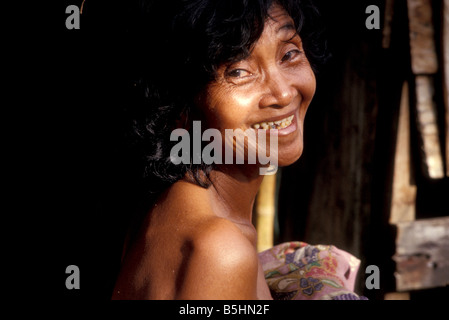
[(299, 271)]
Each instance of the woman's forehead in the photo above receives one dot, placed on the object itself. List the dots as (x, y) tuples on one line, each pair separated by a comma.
[(278, 15)]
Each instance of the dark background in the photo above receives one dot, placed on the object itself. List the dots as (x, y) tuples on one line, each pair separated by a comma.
[(337, 193), (341, 186)]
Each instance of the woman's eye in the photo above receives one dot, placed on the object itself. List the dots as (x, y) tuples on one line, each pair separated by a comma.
[(238, 73), (291, 55)]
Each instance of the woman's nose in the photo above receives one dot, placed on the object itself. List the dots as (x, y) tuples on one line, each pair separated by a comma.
[(279, 91)]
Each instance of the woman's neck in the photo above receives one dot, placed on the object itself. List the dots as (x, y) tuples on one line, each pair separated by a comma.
[(233, 191)]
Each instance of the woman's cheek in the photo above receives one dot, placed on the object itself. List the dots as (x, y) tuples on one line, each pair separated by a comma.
[(232, 111)]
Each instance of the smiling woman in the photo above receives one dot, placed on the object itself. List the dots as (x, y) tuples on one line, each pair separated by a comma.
[(233, 65)]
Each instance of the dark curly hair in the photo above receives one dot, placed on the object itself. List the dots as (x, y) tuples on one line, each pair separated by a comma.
[(177, 47)]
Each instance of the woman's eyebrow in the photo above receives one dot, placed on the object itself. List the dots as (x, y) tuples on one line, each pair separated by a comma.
[(288, 26)]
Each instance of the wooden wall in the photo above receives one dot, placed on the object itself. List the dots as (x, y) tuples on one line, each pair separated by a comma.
[(340, 192)]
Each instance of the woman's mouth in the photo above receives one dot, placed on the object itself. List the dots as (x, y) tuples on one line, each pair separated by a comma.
[(279, 124)]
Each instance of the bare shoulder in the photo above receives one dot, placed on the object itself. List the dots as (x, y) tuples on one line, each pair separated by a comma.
[(222, 263)]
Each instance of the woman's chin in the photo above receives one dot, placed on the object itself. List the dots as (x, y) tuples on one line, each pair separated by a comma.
[(290, 156)]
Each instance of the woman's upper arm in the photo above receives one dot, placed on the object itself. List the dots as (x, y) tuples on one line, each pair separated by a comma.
[(222, 264)]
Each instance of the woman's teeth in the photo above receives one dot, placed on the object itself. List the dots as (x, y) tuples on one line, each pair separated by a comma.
[(280, 124)]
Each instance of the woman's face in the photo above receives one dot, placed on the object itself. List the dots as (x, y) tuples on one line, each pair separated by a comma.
[(270, 90)]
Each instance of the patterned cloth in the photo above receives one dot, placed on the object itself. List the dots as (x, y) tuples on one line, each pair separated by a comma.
[(299, 271)]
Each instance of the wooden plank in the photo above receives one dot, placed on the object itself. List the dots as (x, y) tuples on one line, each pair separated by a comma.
[(404, 193), (265, 211), (428, 127), (422, 43), (424, 63), (446, 75), (422, 254)]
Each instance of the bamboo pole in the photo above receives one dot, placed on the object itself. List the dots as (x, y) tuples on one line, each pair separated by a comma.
[(265, 210), (446, 75)]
